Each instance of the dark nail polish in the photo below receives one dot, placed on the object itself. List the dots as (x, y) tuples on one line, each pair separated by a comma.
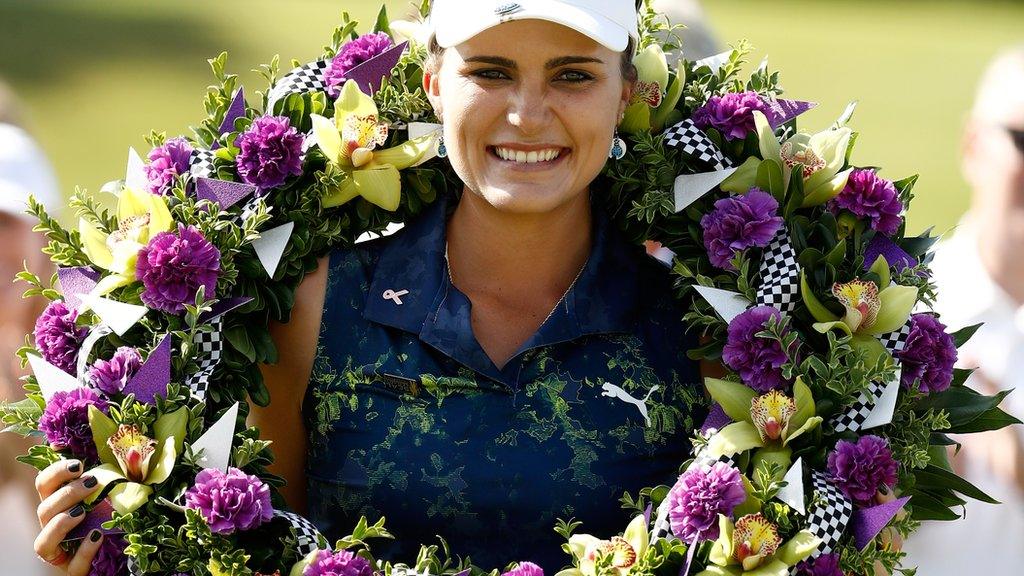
[(95, 536), (74, 467), (76, 511), (90, 482)]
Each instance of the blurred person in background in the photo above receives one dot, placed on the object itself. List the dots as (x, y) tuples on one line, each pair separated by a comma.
[(24, 170), (699, 40), (980, 276)]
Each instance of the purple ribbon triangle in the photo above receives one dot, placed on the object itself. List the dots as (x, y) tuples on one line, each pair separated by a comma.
[(881, 245), (154, 375), (222, 307), (868, 522), (235, 111), (370, 74), (785, 110), (94, 520), (716, 419), (75, 282), (225, 194)]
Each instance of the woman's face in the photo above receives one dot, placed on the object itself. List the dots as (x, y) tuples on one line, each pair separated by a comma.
[(529, 110)]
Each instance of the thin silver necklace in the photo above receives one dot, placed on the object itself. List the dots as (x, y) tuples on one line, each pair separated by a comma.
[(448, 268)]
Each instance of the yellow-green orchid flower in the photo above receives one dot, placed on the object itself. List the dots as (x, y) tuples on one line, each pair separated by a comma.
[(654, 96), (624, 552), (820, 155), (140, 216), (751, 546), (870, 309), (350, 142), (768, 422), (133, 460)]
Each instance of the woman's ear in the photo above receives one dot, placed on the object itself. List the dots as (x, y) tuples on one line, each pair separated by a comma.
[(431, 86), (627, 97)]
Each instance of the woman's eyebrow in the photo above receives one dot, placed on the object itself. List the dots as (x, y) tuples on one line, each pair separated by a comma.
[(553, 63)]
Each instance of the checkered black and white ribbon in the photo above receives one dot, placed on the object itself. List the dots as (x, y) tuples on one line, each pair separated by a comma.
[(830, 513), (306, 534), (306, 78), (694, 142), (210, 346), (248, 210), (133, 566), (854, 417), (780, 275), (896, 340), (201, 164)]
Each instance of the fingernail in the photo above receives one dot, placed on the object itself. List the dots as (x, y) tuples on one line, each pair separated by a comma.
[(76, 511), (74, 467), (90, 482), (95, 536)]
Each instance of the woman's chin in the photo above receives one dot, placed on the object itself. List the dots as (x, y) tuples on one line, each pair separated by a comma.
[(523, 199)]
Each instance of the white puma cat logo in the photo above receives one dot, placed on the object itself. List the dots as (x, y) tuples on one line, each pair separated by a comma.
[(613, 391)]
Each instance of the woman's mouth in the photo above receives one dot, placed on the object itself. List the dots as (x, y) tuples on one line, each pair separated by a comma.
[(540, 156)]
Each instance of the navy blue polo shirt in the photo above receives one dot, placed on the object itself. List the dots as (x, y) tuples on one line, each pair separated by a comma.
[(409, 419)]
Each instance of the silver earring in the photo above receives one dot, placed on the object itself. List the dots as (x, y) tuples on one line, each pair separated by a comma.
[(442, 152), (618, 150)]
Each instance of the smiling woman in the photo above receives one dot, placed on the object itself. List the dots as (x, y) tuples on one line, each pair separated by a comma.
[(476, 406)]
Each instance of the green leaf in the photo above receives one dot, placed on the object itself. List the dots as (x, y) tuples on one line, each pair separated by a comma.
[(733, 439), (238, 337), (769, 179), (102, 429), (994, 419), (383, 24), (735, 398), (961, 336), (172, 425), (962, 404), (804, 403), (936, 477), (798, 548), (927, 507), (817, 309)]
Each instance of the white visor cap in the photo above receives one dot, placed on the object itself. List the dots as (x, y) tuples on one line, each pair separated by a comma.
[(610, 23)]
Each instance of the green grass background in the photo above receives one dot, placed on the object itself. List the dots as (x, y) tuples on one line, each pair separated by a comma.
[(96, 76)]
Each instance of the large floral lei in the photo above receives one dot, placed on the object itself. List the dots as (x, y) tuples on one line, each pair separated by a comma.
[(828, 436)]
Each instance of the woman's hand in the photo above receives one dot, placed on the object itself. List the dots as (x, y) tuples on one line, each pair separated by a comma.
[(62, 488)]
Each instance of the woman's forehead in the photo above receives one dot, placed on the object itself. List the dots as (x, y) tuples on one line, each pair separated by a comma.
[(533, 40)]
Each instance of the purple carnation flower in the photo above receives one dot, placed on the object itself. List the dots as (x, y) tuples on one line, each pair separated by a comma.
[(340, 563), (173, 267), (525, 569), (738, 223), (868, 196), (58, 338), (229, 502), (699, 496), (758, 360), (166, 163), (860, 469), (65, 422), (269, 152), (110, 376), (732, 114), (928, 356), (824, 565), (351, 55), (110, 559)]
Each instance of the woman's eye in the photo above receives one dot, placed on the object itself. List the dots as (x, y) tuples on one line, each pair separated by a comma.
[(490, 74), (575, 76)]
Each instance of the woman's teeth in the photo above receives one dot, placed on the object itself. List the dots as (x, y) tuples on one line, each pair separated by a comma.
[(522, 157)]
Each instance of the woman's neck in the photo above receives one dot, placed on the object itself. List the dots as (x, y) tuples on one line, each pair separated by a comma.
[(518, 257)]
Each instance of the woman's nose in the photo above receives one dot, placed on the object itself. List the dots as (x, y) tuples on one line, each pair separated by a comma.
[(530, 109)]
